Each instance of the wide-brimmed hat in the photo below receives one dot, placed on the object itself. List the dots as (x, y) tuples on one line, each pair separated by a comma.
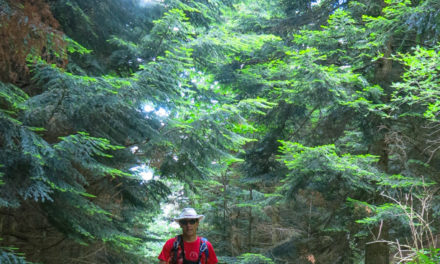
[(189, 213)]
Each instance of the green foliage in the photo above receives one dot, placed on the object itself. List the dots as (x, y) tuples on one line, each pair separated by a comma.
[(394, 13), (12, 99), (428, 256), (417, 93), (253, 16), (383, 212), (405, 21), (249, 258), (319, 167), (341, 40), (407, 209), (7, 255), (323, 76), (72, 140), (173, 27), (75, 47), (202, 12), (246, 103), (160, 230)]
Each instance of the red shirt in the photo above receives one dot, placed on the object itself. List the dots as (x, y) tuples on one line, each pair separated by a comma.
[(191, 251)]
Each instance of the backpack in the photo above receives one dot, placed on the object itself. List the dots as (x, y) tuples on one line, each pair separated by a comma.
[(178, 242)]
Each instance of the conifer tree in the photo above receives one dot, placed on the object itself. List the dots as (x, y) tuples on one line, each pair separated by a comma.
[(318, 117), (337, 86), (72, 136)]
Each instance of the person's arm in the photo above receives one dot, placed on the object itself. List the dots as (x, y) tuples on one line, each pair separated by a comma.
[(164, 256), (212, 257)]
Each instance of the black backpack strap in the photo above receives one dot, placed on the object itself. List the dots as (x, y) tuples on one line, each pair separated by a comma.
[(182, 249), (178, 241)]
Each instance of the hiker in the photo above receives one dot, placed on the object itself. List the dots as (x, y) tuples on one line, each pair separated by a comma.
[(188, 248)]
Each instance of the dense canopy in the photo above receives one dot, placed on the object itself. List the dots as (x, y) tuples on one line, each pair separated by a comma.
[(305, 131)]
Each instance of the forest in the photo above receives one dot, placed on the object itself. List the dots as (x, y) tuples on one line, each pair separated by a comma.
[(306, 132)]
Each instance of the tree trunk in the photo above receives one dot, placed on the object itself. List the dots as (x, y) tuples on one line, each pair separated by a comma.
[(250, 223), (225, 208), (377, 253)]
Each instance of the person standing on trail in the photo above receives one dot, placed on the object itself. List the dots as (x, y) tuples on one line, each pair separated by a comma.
[(188, 248)]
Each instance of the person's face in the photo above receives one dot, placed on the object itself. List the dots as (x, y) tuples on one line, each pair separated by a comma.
[(189, 226)]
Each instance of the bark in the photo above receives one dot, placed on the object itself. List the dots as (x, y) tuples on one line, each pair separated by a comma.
[(250, 223), (377, 253)]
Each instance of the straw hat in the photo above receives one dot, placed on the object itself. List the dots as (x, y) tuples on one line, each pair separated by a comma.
[(189, 213)]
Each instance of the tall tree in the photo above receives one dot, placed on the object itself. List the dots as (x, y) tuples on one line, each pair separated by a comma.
[(72, 132)]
